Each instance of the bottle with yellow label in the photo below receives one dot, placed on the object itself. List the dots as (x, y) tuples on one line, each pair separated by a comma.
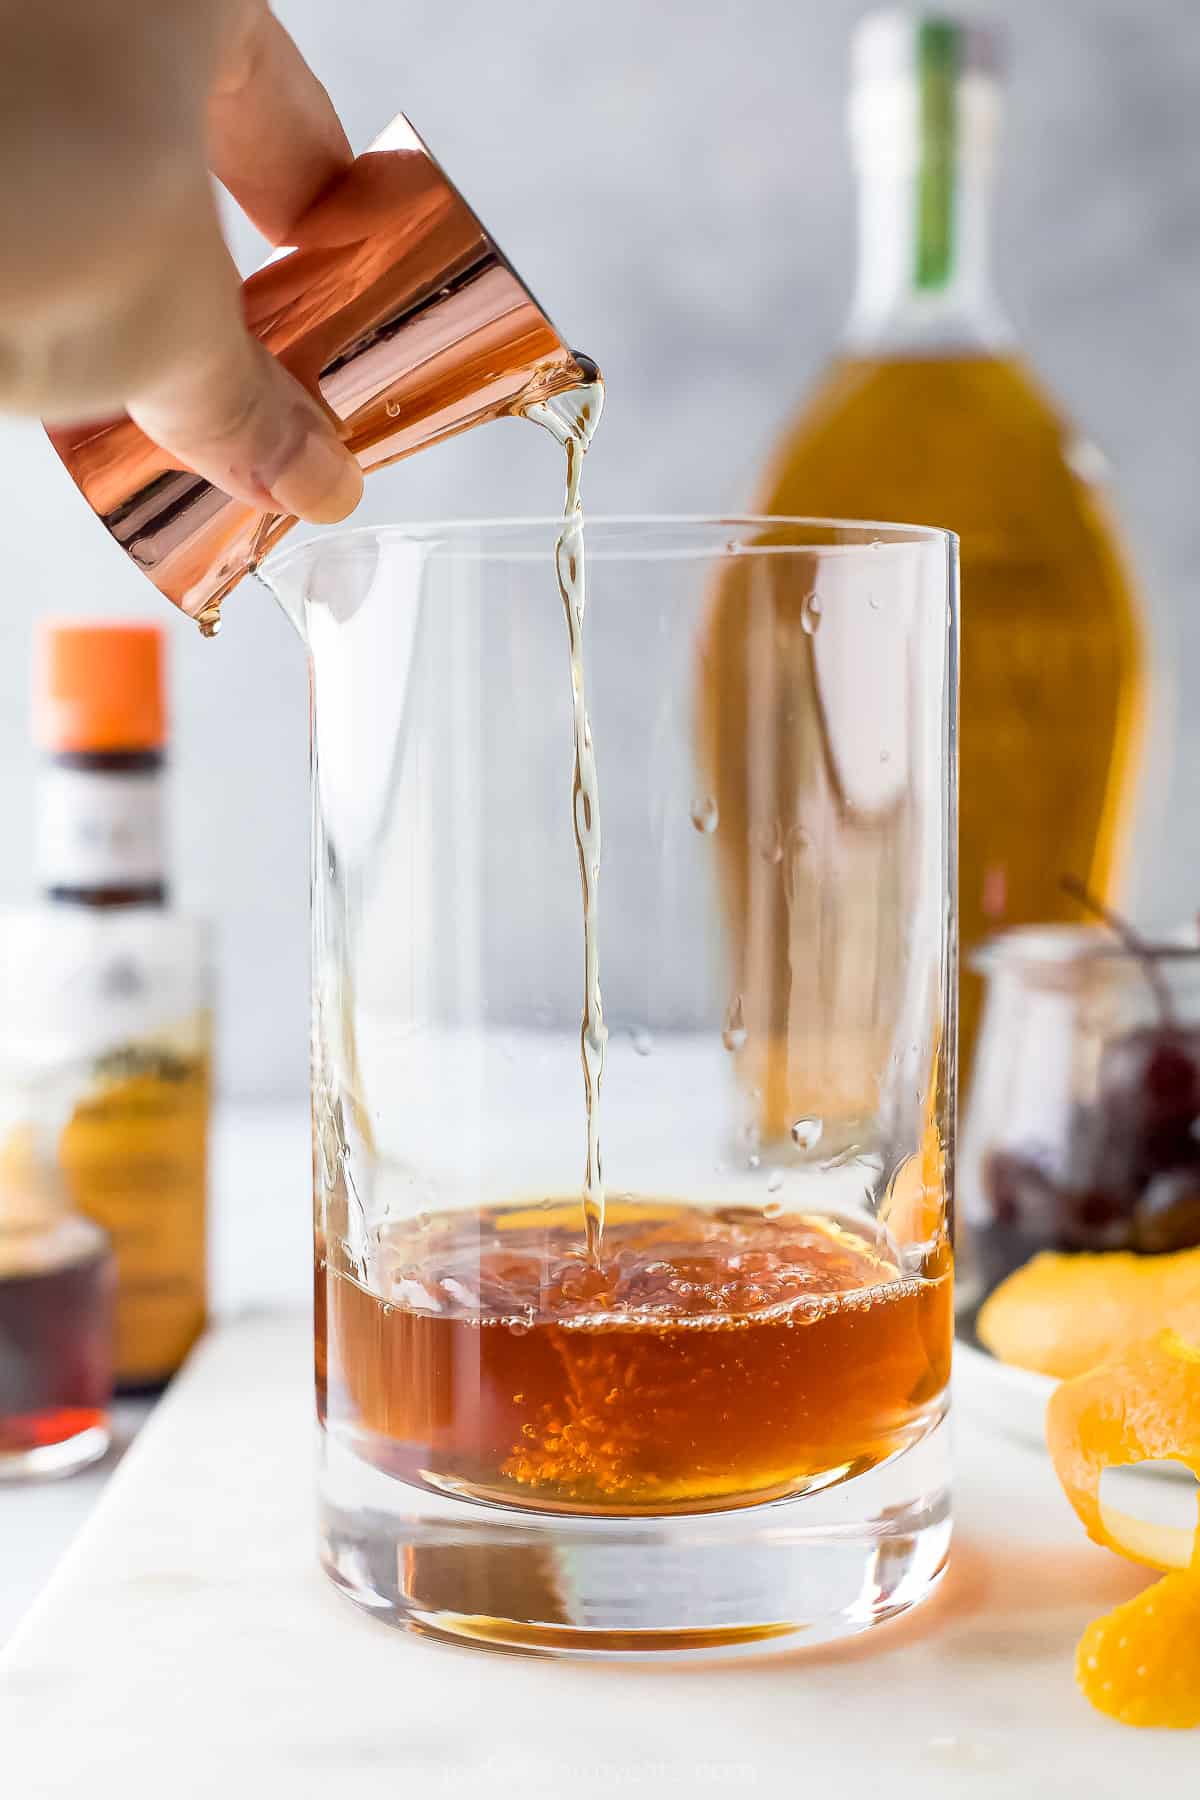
[(126, 989)]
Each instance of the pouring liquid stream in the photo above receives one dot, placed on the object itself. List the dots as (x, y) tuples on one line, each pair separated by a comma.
[(572, 419)]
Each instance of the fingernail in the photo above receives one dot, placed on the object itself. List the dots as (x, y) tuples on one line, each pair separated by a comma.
[(320, 482)]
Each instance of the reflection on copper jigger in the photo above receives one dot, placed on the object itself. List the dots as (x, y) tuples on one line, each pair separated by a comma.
[(398, 307)]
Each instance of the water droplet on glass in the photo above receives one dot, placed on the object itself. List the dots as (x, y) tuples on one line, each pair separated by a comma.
[(643, 1043), (705, 816), (734, 1035), (885, 756), (753, 1160), (774, 1181), (770, 842), (773, 1209), (810, 613), (799, 840), (873, 602), (393, 409), (806, 1133), (209, 620)]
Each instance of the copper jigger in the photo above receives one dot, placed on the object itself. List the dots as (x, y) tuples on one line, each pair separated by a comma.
[(394, 304)]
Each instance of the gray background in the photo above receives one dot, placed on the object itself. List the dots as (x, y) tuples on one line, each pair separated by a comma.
[(673, 180)]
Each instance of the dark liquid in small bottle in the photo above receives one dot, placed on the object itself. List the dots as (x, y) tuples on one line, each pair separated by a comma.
[(55, 1354)]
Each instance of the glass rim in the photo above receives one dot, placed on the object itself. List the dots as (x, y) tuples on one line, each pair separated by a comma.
[(844, 535)]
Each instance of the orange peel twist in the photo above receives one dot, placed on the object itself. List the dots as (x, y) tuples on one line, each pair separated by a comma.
[(1140, 1664)]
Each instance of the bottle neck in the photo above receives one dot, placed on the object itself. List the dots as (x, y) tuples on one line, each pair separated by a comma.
[(924, 150), (924, 276)]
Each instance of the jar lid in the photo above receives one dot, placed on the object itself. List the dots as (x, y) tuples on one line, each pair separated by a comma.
[(1057, 948)]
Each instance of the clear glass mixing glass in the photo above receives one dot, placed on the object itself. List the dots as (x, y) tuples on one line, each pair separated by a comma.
[(720, 1420)]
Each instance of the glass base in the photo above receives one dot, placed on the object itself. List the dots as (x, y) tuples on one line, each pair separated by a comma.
[(812, 1570), (63, 1456)]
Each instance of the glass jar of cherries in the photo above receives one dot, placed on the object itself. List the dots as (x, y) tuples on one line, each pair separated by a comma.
[(1082, 1127)]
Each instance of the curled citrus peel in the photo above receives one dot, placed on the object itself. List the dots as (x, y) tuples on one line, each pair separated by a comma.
[(1140, 1663), (1143, 1406)]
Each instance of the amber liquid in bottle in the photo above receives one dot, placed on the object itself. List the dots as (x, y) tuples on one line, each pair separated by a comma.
[(929, 417), (1050, 660)]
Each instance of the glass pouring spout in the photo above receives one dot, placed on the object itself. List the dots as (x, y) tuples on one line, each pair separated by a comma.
[(398, 308)]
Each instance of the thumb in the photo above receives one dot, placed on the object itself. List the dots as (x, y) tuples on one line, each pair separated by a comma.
[(221, 403)]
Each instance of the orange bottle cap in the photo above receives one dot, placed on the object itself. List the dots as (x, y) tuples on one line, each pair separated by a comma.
[(99, 687)]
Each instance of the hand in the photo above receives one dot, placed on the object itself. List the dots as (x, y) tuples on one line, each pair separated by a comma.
[(116, 288)]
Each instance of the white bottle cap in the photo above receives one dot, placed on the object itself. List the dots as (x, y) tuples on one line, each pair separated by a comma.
[(895, 53), (888, 45)]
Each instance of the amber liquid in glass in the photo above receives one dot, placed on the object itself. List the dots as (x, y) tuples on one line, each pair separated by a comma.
[(1051, 658), (707, 1358)]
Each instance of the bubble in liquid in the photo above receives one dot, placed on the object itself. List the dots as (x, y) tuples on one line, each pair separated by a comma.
[(806, 1133), (810, 613), (643, 1043), (734, 1035), (774, 1181), (518, 1327), (705, 815)]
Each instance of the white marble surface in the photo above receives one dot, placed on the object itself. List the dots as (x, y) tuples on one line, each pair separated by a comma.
[(192, 1644), (259, 1256)]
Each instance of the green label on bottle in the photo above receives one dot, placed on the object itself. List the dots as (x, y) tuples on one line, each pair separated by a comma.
[(937, 76)]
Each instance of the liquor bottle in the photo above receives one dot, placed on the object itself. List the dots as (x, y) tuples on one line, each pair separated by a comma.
[(124, 995), (930, 415)]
